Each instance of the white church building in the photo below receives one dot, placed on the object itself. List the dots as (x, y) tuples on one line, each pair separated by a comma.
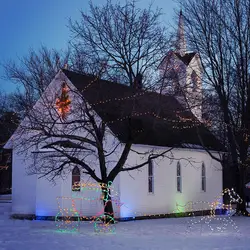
[(187, 173)]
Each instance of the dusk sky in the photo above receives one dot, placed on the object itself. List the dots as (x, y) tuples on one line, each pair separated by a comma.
[(29, 24)]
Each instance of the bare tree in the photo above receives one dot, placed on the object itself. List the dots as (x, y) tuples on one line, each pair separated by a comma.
[(8, 123), (118, 42), (61, 139), (32, 75), (220, 32), (4, 105), (126, 39)]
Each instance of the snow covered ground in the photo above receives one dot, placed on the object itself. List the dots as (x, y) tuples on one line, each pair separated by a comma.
[(160, 234)]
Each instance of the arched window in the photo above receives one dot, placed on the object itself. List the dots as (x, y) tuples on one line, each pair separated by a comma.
[(150, 176), (76, 178), (194, 81), (179, 181), (203, 177)]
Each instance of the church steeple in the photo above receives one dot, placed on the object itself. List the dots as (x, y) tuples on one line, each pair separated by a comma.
[(181, 42), (181, 74)]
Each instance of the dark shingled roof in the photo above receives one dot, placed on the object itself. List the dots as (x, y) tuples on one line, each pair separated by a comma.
[(186, 58), (154, 119)]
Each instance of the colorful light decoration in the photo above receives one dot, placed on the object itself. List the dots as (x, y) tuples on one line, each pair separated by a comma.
[(63, 103), (63, 218), (212, 206), (64, 223), (103, 222), (106, 227)]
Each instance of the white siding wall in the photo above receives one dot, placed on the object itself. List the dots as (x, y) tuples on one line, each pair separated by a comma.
[(23, 187), (29, 198), (46, 197), (46, 193), (134, 191), (41, 198), (87, 201)]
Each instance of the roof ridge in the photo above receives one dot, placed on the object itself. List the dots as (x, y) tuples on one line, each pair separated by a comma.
[(91, 75)]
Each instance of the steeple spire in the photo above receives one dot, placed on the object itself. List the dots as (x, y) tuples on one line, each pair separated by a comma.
[(181, 42)]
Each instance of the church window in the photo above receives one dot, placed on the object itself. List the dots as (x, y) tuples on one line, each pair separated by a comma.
[(76, 178), (150, 176), (194, 81), (175, 83), (179, 181), (203, 177), (172, 80)]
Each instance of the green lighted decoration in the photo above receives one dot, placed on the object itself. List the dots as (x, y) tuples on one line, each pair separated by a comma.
[(68, 219)]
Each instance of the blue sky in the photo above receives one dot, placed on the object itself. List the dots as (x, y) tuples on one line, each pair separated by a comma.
[(26, 24)]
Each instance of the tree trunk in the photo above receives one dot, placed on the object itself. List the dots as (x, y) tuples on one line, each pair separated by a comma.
[(240, 189), (108, 206)]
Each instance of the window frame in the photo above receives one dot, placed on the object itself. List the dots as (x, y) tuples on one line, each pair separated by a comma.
[(194, 81), (178, 177), (78, 175), (203, 178), (1, 155), (150, 177)]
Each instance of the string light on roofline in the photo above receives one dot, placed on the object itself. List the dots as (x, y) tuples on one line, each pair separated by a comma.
[(137, 114), (138, 94)]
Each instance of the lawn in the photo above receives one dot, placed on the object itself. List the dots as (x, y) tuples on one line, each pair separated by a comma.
[(158, 234)]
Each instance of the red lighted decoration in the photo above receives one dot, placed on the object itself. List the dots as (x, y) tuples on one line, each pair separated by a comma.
[(63, 102)]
